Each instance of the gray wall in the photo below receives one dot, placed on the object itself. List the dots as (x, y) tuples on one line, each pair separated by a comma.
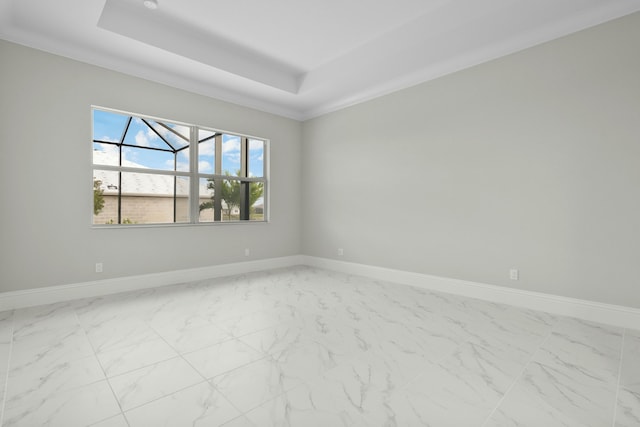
[(45, 167), (531, 161)]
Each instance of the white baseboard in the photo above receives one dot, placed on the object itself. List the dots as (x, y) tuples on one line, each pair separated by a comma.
[(616, 315), (52, 294)]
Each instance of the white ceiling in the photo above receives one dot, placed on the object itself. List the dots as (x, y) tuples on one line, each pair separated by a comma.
[(297, 58)]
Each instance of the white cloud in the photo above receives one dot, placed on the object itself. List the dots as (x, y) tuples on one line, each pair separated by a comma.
[(151, 134), (142, 140), (207, 148), (205, 167), (255, 144), (110, 156), (182, 130), (183, 156), (231, 145), (181, 166), (231, 158)]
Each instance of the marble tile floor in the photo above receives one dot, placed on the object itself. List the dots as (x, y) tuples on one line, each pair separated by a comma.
[(307, 347)]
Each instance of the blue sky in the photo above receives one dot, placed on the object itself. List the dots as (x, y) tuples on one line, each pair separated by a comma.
[(108, 126)]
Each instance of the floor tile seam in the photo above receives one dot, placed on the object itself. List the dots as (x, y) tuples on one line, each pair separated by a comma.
[(243, 413), (193, 367), (95, 354), (606, 378), (107, 376), (144, 340), (617, 395), (236, 407), (108, 418), (182, 356), (118, 347), (124, 411), (190, 384), (181, 352), (517, 378), (6, 375), (558, 320), (241, 416), (263, 357)]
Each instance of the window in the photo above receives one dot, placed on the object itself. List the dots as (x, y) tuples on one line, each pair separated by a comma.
[(152, 171)]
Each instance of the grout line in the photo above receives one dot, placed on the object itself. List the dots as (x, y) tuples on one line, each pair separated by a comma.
[(180, 355), (163, 396), (615, 403), (205, 380), (517, 379), (104, 372)]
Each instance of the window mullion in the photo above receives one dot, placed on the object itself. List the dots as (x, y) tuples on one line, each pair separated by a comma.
[(194, 180), (217, 191), (244, 172)]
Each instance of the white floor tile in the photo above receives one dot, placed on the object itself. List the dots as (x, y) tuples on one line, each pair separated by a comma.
[(248, 323), (199, 405), (325, 403), (188, 339), (253, 384), (45, 380), (223, 357), (113, 335), (130, 358), (152, 382), (78, 407), (630, 369), (554, 395), (450, 394), (44, 318), (48, 348), (303, 347), (628, 410), (277, 338)]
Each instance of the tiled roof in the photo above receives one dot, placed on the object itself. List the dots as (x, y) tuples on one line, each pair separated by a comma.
[(138, 183)]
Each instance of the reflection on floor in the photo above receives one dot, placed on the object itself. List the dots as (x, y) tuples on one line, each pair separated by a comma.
[(307, 347)]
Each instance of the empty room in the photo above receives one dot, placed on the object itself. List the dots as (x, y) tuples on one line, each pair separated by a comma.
[(305, 213)]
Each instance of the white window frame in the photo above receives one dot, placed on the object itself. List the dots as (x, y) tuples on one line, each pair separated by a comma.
[(193, 174)]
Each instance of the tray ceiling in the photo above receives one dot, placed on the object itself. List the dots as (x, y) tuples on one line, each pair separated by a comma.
[(297, 58)]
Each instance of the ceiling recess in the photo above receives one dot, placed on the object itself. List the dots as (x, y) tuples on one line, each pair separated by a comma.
[(300, 58)]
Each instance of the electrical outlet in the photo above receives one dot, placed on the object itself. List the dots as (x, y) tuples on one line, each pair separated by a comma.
[(514, 274), (98, 267), (246, 252), (340, 252)]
